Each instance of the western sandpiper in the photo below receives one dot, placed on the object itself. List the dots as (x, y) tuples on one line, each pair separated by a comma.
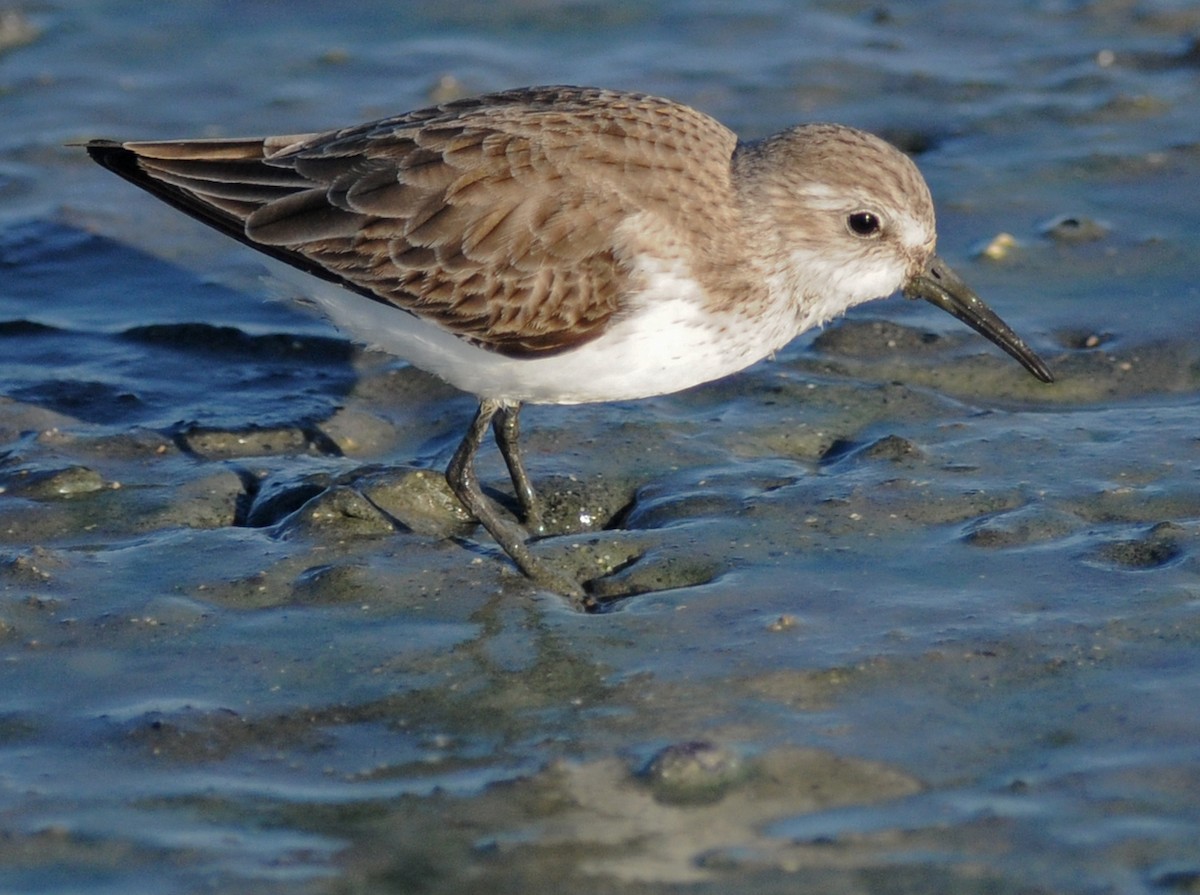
[(562, 245)]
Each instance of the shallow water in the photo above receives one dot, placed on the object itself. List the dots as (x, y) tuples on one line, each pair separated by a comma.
[(934, 626)]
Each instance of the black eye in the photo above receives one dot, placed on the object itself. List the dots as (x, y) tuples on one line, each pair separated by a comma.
[(864, 223)]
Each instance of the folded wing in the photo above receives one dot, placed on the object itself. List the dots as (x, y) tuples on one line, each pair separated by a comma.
[(489, 216)]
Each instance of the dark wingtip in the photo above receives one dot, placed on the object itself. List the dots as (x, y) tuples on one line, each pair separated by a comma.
[(111, 155), (123, 161)]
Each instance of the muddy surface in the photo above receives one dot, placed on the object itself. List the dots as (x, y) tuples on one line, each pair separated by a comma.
[(883, 614)]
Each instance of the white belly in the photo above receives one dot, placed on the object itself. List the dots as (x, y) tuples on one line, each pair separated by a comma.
[(666, 343)]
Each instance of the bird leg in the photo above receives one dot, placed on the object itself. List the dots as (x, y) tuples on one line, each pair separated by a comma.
[(506, 426), (465, 484)]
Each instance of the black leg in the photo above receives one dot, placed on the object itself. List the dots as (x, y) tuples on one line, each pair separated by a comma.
[(507, 428), (510, 536)]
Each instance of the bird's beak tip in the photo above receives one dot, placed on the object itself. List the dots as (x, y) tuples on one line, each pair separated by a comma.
[(939, 285)]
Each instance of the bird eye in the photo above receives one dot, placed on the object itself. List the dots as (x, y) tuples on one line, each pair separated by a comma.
[(864, 223)]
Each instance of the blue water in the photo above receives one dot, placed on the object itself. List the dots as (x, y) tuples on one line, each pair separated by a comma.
[(1008, 619)]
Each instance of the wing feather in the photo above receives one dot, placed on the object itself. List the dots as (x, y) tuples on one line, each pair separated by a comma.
[(491, 217)]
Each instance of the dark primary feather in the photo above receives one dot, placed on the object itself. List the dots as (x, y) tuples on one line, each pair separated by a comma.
[(225, 216)]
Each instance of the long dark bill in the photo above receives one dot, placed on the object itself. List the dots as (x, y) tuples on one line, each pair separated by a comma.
[(941, 286)]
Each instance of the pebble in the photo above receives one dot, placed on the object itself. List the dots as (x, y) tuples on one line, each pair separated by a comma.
[(694, 772)]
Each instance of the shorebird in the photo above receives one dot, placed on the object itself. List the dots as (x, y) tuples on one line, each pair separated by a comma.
[(562, 245)]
